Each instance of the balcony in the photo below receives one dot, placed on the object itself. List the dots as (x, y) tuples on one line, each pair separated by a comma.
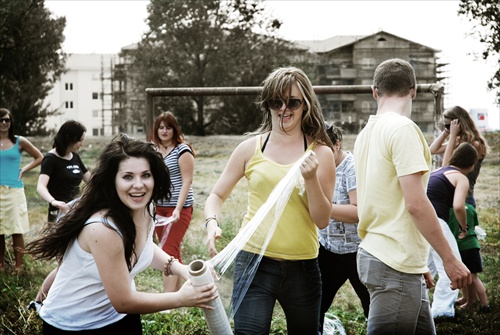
[(348, 73)]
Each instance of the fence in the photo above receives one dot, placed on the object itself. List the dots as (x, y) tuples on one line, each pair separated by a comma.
[(436, 89)]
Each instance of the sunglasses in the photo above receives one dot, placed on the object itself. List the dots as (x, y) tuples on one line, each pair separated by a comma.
[(447, 126), (5, 119), (335, 131), (291, 104)]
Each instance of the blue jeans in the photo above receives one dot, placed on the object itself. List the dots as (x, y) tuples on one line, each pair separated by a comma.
[(398, 301), (296, 285)]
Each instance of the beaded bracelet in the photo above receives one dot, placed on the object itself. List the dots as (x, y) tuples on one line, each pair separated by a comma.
[(167, 268), (207, 220)]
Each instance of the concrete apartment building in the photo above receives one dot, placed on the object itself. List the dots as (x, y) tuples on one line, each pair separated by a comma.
[(83, 94), (351, 60), (98, 90)]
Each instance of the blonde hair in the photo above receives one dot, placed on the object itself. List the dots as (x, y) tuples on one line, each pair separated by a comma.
[(278, 84)]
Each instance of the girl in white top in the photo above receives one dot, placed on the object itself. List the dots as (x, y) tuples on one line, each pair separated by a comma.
[(104, 241)]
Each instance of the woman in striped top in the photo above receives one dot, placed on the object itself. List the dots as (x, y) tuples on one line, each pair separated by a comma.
[(179, 158)]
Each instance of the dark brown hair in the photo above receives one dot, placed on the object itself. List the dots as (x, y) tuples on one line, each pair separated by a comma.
[(10, 134), (464, 156), (70, 133)]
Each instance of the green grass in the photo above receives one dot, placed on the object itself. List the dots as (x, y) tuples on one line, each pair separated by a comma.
[(212, 153)]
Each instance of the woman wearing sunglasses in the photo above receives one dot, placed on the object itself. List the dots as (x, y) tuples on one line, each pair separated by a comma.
[(288, 271), (460, 128), (13, 207)]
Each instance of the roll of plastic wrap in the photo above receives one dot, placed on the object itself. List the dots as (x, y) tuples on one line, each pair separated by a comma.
[(217, 320)]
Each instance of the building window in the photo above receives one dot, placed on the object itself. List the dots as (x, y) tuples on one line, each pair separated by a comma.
[(368, 107), (368, 63), (68, 86), (347, 107), (95, 95), (95, 131), (68, 104)]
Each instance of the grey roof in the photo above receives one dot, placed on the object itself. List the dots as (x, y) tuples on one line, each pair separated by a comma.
[(332, 43), (335, 42), (132, 46)]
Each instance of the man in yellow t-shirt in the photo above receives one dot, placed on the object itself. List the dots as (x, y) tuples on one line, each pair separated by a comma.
[(396, 220)]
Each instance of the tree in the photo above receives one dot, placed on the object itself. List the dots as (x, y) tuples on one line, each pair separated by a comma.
[(31, 61), (486, 14), (209, 43)]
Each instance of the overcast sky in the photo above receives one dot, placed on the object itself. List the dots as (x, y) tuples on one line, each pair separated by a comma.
[(107, 26)]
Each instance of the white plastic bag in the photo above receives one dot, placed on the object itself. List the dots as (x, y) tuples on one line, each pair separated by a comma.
[(332, 325), (480, 233), (162, 221)]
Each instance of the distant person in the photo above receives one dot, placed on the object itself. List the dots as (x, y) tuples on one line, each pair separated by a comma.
[(292, 127), (62, 169), (178, 156), (104, 241), (459, 126), (471, 256), (61, 174), (447, 188), (339, 241), (396, 219), (13, 207)]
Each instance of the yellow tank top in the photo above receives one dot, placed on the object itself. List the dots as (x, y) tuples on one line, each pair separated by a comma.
[(296, 235)]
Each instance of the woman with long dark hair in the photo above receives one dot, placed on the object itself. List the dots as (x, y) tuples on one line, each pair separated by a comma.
[(104, 241)]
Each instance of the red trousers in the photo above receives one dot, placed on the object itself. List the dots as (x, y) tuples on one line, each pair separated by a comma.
[(172, 245)]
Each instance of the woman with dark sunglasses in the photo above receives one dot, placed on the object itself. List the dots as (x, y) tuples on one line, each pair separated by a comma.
[(13, 206), (460, 128), (288, 272)]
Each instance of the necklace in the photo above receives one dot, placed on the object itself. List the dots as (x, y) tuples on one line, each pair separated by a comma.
[(166, 147)]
